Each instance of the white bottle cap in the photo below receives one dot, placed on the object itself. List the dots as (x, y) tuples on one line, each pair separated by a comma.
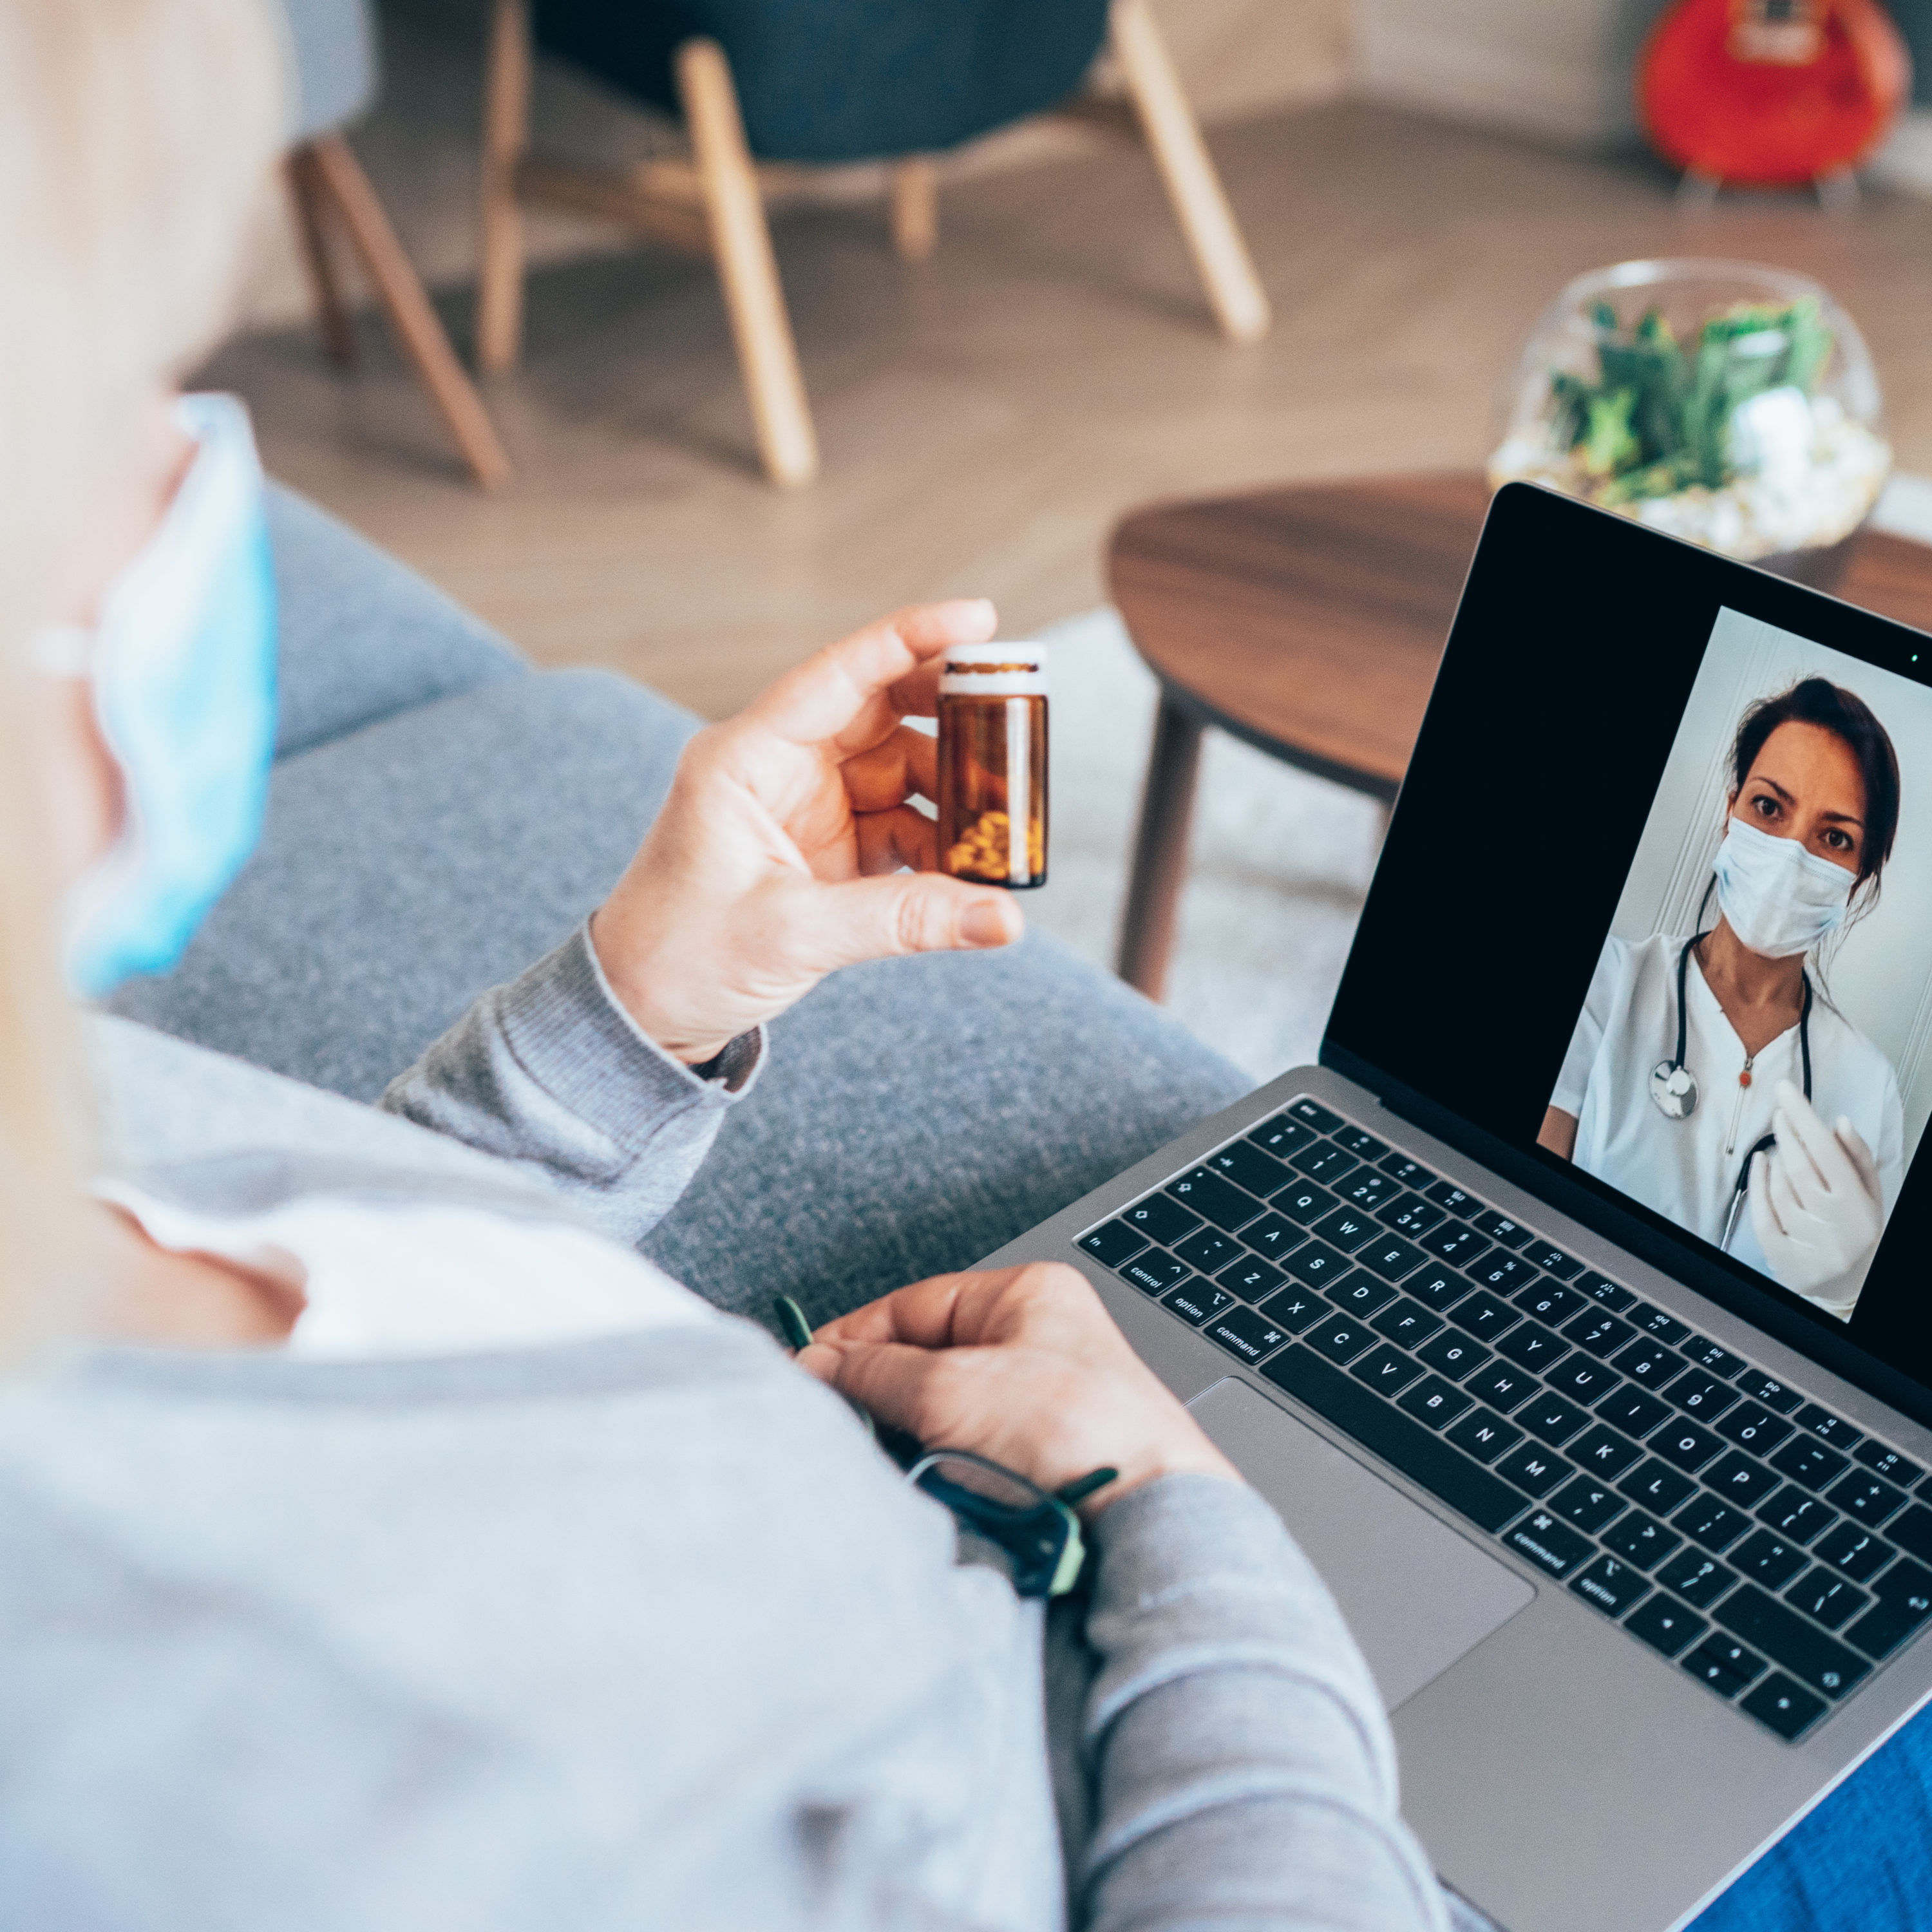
[(994, 670)]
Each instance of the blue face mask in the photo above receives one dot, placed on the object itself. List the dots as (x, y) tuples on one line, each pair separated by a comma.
[(183, 666)]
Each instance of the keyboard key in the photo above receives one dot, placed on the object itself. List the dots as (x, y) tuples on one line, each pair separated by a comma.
[(1760, 1387), (1665, 1625), (1454, 1242), (1246, 1335), (1533, 1468), (1281, 1136), (1599, 1333), (1809, 1462), (1360, 1293), (1696, 1578), (1587, 1503), (1505, 1273), (1484, 1435), (1303, 1202), (1904, 1595), (1195, 1300), (1632, 1411), (1369, 1190), (1326, 1162), (1347, 1229), (1866, 1499), (1828, 1427), (1391, 1257), (1316, 1264), (1725, 1665), (1826, 1597), (1657, 1486), (1161, 1219), (1784, 1706), (1502, 1385), (1648, 1363), (1453, 1355), (1912, 1531), (1418, 1453), (1768, 1559), (1406, 1323), (1553, 1261), (1599, 1288), (1153, 1273), (1410, 1173), (1439, 1285), (1550, 1419), (1796, 1515), (1315, 1115), (1247, 1166), (1340, 1339), (1604, 1452), (1208, 1250), (1531, 1346), (1360, 1142), (1227, 1208), (1434, 1402), (1741, 1479), (1484, 1316), (1252, 1280), (1612, 1585), (1852, 1552), (1753, 1427), (1409, 1214), (1549, 1301), (1886, 1463), (1113, 1244), (1581, 1379), (1550, 1545), (1641, 1539), (1818, 1662), (1447, 1194), (1273, 1236), (1659, 1326), (1294, 1308), (1498, 1228), (1709, 1354), (1701, 1395), (1387, 1370), (1689, 1445), (1715, 1525)]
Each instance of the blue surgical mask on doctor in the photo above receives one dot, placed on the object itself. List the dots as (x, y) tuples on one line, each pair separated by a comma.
[(182, 662), (1776, 897)]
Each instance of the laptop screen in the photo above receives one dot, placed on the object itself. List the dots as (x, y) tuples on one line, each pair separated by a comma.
[(1652, 930)]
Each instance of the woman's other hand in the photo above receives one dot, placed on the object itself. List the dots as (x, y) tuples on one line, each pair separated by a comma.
[(1021, 1364), (1815, 1202), (761, 874)]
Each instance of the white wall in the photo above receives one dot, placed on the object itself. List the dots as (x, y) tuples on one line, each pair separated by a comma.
[(1882, 978)]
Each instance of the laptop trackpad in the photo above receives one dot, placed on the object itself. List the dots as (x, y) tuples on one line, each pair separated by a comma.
[(1416, 1594)]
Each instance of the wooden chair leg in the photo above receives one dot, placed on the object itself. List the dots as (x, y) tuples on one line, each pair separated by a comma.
[(1160, 851), (306, 194), (415, 322), (1220, 255), (915, 198), (746, 265), (506, 137)]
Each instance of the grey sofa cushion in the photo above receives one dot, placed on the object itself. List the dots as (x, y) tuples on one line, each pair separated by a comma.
[(363, 636)]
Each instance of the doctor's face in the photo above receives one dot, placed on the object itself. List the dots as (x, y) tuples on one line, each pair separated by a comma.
[(1806, 784)]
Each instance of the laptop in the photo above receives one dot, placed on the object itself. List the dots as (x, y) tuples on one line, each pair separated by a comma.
[(1635, 1538)]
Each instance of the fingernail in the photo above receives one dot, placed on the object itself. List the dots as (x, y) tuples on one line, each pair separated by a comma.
[(985, 923)]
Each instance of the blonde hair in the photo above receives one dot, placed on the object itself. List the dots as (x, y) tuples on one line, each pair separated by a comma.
[(135, 137)]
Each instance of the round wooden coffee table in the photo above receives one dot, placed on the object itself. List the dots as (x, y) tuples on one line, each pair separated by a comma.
[(1310, 622)]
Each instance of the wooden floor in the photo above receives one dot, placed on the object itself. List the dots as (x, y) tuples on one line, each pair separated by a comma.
[(985, 417)]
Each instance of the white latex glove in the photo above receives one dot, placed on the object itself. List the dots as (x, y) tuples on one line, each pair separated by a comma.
[(1815, 1202)]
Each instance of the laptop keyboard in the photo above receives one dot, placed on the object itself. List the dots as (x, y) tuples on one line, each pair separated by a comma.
[(1736, 1527)]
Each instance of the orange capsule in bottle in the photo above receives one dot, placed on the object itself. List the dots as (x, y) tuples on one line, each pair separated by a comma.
[(992, 764)]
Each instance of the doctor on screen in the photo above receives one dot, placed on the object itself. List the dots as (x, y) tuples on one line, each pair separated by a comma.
[(1710, 1077)]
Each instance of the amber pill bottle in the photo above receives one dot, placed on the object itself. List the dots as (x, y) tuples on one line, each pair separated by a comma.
[(992, 764)]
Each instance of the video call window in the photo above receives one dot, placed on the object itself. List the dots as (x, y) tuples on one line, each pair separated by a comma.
[(1754, 1058)]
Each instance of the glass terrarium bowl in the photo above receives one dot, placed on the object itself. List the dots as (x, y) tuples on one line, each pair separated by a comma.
[(1726, 402)]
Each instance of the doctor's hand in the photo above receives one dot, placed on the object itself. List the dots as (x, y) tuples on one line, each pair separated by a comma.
[(1816, 1204), (1021, 1364), (778, 856)]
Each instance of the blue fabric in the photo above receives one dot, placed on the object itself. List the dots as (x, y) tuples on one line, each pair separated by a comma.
[(1860, 1862), (844, 80), (332, 47)]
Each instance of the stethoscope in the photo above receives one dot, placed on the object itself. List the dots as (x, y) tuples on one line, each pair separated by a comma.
[(1673, 1087)]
